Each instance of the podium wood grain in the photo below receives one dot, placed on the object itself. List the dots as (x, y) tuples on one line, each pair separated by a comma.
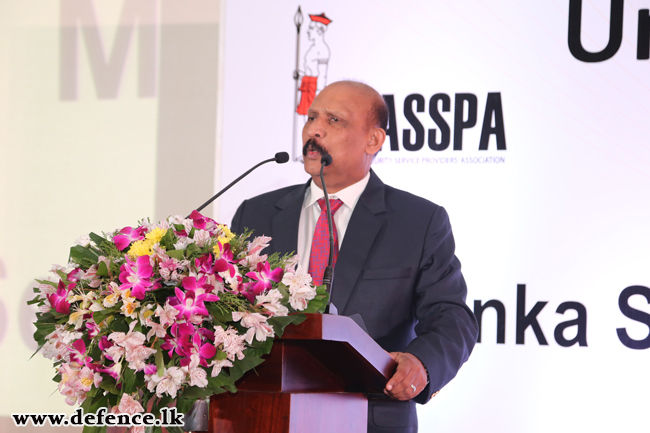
[(316, 379)]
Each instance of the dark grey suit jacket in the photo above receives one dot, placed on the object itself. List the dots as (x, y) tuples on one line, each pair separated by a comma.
[(397, 269)]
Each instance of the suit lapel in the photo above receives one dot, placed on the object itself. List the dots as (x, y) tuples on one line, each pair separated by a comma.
[(284, 225), (365, 223)]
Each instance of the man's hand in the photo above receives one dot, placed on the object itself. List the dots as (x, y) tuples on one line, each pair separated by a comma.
[(410, 371)]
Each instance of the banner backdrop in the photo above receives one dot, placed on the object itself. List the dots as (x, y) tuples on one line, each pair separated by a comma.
[(528, 122)]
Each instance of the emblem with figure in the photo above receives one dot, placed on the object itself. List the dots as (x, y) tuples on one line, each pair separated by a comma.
[(310, 75)]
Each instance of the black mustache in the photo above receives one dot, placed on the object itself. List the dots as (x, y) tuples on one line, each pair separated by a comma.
[(312, 145)]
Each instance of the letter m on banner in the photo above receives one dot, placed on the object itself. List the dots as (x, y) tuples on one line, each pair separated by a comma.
[(107, 66)]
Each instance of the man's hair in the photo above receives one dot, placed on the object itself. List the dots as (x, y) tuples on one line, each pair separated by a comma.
[(378, 115), (378, 112)]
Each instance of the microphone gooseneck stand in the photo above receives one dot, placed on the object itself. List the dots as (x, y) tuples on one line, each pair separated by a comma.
[(328, 275), (280, 158)]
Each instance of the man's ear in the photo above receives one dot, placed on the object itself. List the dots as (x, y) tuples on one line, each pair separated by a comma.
[(375, 141)]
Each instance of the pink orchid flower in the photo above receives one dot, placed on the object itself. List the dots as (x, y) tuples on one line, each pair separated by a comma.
[(150, 369), (205, 351), (135, 276), (58, 299), (128, 235), (104, 343), (179, 341), (191, 283), (264, 277), (75, 275), (225, 261), (203, 264), (113, 371), (92, 328), (77, 352), (199, 220), (189, 303)]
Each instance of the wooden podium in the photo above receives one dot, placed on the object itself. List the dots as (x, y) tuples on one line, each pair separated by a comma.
[(316, 379)]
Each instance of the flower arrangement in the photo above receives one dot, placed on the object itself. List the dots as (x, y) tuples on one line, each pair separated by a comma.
[(174, 311)]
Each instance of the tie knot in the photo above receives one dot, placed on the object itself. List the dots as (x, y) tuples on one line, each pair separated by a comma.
[(335, 204)]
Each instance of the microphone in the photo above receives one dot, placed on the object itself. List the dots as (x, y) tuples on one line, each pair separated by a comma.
[(280, 158), (328, 275)]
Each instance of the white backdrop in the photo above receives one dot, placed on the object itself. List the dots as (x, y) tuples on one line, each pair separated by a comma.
[(563, 209)]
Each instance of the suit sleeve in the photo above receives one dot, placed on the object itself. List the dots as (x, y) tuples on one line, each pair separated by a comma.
[(236, 220), (447, 329)]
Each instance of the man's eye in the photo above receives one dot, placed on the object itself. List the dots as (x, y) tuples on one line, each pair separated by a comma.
[(334, 119), (310, 118)]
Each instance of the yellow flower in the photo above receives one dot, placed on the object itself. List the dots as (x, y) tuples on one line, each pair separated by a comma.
[(141, 248), (227, 235), (156, 235)]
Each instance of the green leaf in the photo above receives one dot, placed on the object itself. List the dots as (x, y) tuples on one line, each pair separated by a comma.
[(102, 269), (241, 367), (174, 429), (53, 284), (195, 392), (183, 405), (98, 240), (176, 254), (43, 330), (160, 363), (99, 316), (128, 381), (279, 323), (80, 254), (100, 402), (220, 314), (221, 355), (36, 300), (108, 384), (167, 241), (260, 348)]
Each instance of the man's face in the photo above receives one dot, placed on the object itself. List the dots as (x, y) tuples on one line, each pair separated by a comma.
[(338, 122)]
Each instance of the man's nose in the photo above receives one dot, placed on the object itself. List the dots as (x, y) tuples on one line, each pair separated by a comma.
[(315, 129)]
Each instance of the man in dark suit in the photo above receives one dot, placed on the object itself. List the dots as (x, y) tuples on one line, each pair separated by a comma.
[(396, 266)]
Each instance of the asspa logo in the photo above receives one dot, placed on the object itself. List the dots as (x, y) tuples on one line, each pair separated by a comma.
[(615, 33), (448, 130)]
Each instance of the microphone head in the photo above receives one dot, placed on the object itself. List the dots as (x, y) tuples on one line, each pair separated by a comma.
[(281, 157), (326, 159)]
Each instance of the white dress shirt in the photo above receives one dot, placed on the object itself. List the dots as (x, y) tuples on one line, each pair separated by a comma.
[(311, 212)]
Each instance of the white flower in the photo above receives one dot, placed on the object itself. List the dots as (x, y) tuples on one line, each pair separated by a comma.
[(290, 265), (257, 324), (272, 302), (233, 343), (198, 376), (166, 314), (171, 382), (156, 329), (183, 243), (296, 279), (137, 356), (217, 365), (46, 289), (129, 405), (298, 298), (84, 241), (201, 237)]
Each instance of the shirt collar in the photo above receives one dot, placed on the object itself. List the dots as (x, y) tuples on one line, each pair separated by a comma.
[(348, 195)]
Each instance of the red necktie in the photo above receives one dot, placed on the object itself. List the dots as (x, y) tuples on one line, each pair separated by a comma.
[(320, 245)]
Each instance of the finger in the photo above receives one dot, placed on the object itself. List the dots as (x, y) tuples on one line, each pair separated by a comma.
[(402, 370)]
